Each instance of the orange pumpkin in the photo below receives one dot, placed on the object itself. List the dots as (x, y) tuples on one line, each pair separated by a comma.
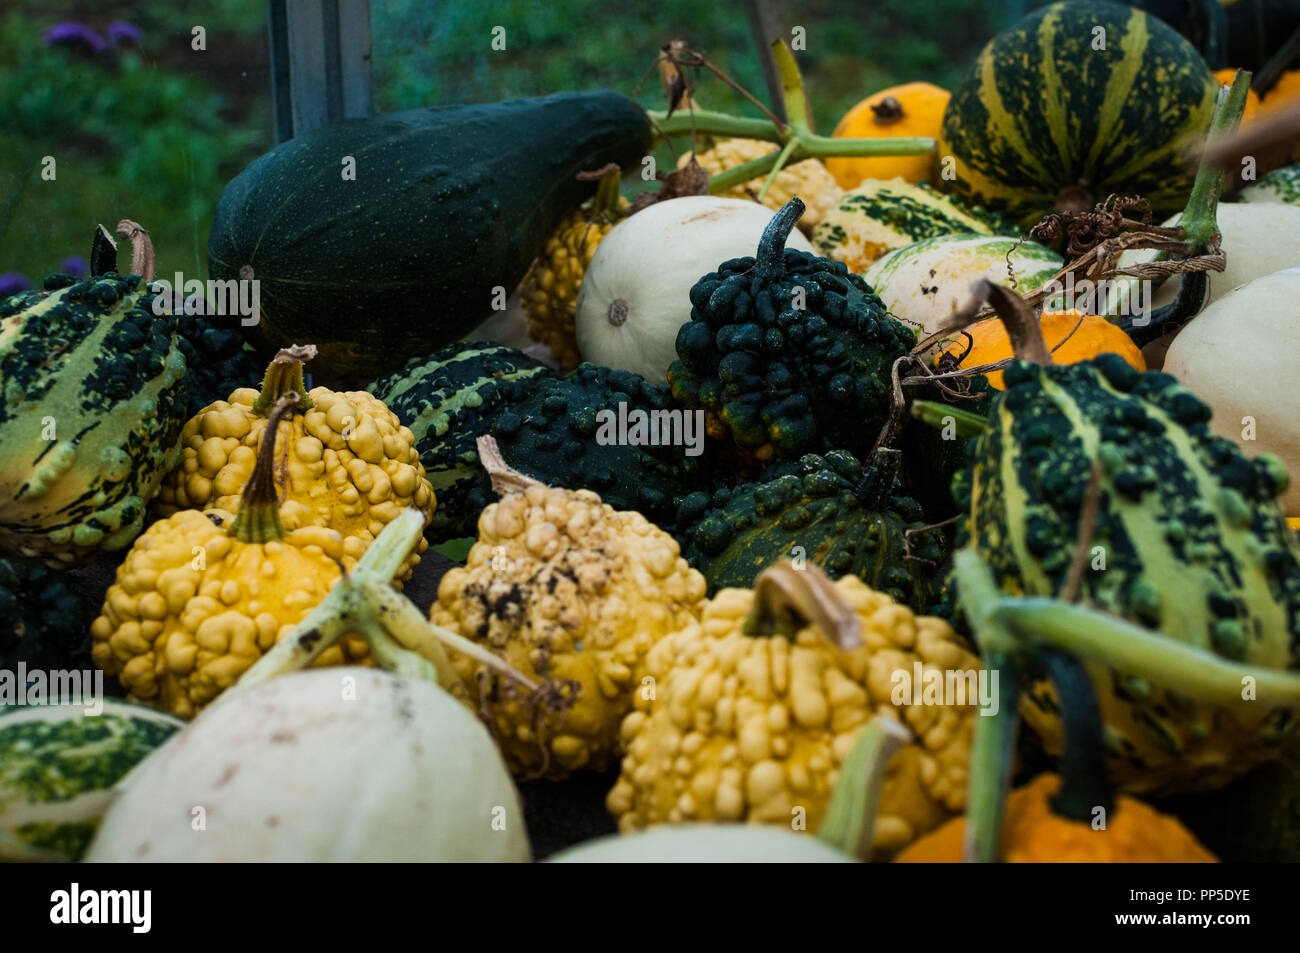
[(1285, 92), (1032, 833), (913, 109), (1095, 336)]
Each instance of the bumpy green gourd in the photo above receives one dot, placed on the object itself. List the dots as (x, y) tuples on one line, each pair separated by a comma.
[(825, 510), (448, 400), (792, 352), (44, 623), (93, 404), (1188, 541), (559, 435)]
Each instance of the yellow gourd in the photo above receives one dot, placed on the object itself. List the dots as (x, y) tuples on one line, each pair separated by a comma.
[(347, 463), (742, 719), (809, 179), (202, 595), (1033, 833), (572, 593), (989, 342), (912, 109)]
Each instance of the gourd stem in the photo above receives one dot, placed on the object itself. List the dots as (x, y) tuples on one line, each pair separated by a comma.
[(284, 374), (1085, 782), (876, 487), (142, 255), (258, 519), (302, 645), (776, 168), (1137, 651), (604, 206), (850, 821), (792, 89), (1199, 220), (787, 598), (385, 556), (393, 657), (409, 627), (505, 478), (938, 415), (770, 261), (993, 754)]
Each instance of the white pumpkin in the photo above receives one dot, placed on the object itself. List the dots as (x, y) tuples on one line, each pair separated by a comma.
[(635, 294), (704, 844), (338, 764), (1236, 356), (923, 283)]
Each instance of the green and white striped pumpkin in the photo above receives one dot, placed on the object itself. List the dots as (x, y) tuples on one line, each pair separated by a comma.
[(1074, 102), (882, 214), (925, 282), (58, 766), (1280, 185), (94, 399), (1188, 541)]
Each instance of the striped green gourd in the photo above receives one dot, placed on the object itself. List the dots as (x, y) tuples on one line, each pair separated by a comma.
[(883, 214), (923, 283), (1188, 541), (94, 398), (1074, 102), (448, 400), (58, 765)]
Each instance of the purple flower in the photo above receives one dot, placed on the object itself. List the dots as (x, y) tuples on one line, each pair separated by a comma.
[(74, 35), (75, 266), (11, 282), (124, 34)]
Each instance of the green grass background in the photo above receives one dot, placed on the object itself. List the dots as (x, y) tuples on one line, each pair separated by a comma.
[(154, 134)]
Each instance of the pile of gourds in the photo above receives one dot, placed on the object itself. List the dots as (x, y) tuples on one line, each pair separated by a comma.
[(793, 513)]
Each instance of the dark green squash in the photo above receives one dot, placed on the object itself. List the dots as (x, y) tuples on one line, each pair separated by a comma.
[(823, 510), (446, 205), (44, 623)]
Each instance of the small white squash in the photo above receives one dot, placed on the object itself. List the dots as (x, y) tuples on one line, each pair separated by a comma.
[(340, 764), (635, 294), (923, 283), (1236, 356), (704, 844), (1280, 185)]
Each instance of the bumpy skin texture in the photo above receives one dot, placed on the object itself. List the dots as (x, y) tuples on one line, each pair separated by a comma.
[(353, 484), (1039, 111), (93, 400), (44, 619), (566, 589), (176, 636), (549, 292), (785, 381), (217, 359), (448, 400), (741, 728), (1032, 834), (554, 434), (809, 179), (818, 511), (1194, 543)]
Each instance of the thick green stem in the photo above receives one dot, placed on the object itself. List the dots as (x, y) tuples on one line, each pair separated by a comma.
[(850, 821), (258, 519), (777, 167), (993, 752), (792, 91), (770, 260), (1137, 651), (937, 415), (1199, 219)]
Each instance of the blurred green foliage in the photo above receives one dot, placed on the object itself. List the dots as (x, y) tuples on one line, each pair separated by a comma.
[(154, 134)]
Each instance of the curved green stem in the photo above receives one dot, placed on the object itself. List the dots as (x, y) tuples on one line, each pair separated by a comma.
[(993, 754), (777, 167), (1199, 220), (850, 821), (770, 260), (936, 414)]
